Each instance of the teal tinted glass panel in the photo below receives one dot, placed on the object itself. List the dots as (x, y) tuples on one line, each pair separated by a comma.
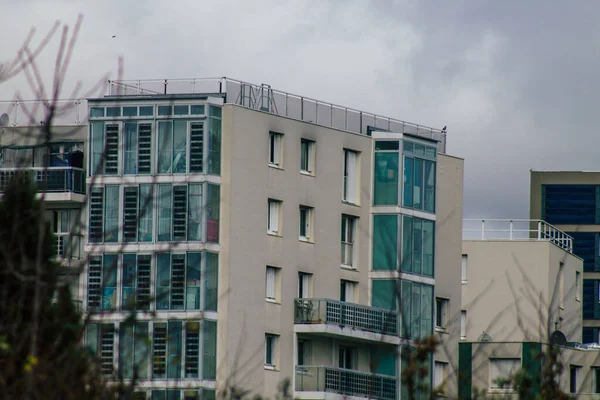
[(97, 144), (109, 280), (165, 110), (214, 141), (209, 359), (163, 281), (179, 146), (386, 179), (165, 146), (130, 111), (409, 167), (417, 246), (131, 147), (96, 112), (111, 213), (383, 360), (429, 186), (418, 185), (182, 110), (193, 279), (215, 111), (384, 294), (428, 247), (385, 242), (197, 109), (387, 145), (211, 279), (407, 244), (213, 201), (113, 111), (146, 111), (417, 310), (426, 312), (175, 350)]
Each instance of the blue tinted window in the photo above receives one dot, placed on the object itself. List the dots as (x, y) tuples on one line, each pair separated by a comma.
[(569, 204), (146, 111), (590, 335), (197, 109), (591, 305), (584, 246)]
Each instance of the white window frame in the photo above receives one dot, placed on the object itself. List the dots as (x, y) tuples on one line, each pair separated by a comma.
[(463, 325), (271, 340), (348, 291), (309, 168), (502, 368), (304, 348), (440, 371), (351, 177), (275, 149), (271, 284), (577, 285), (464, 272), (349, 235), (443, 311), (274, 217), (308, 223), (304, 285)]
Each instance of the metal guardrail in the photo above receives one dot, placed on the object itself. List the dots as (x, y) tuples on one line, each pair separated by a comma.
[(32, 112), (344, 381), (264, 98), (357, 316), (516, 229), (49, 180)]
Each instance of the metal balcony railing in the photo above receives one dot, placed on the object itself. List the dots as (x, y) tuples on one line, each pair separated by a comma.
[(346, 382), (357, 316), (69, 246), (516, 229), (48, 180), (264, 98)]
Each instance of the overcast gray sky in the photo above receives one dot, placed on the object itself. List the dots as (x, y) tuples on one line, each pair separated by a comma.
[(516, 82)]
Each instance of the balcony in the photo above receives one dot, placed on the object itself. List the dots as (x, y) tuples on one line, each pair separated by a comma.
[(344, 382), (69, 246), (350, 319), (60, 182)]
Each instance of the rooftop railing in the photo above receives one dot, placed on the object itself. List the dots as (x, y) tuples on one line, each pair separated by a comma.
[(346, 382), (357, 316), (516, 229), (264, 98), (33, 112), (48, 180)]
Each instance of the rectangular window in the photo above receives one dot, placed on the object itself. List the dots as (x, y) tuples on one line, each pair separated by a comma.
[(96, 216), (274, 212), (271, 283), (577, 285), (102, 282), (167, 341), (348, 291), (271, 349), (575, 379), (180, 212), (561, 285), (595, 380), (441, 312), (386, 181), (100, 341), (304, 285), (307, 156), (209, 361), (172, 147), (196, 147), (418, 246), (351, 177), (419, 177), (306, 223), (464, 268), (347, 357), (136, 282), (349, 230), (178, 281), (134, 351), (275, 148), (145, 213), (104, 214), (304, 352), (417, 309), (192, 350), (463, 325), (137, 148), (104, 148), (440, 375), (214, 140), (385, 242), (501, 370)]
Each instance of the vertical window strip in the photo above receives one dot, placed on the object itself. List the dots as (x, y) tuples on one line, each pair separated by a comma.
[(177, 282), (107, 335), (179, 212), (144, 263), (159, 351), (96, 224), (144, 149), (196, 147), (145, 212), (111, 162), (209, 360), (130, 211), (192, 349), (94, 289)]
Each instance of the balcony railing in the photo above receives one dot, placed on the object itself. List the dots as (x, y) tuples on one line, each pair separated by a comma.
[(357, 316), (516, 229), (69, 246), (48, 180), (346, 382)]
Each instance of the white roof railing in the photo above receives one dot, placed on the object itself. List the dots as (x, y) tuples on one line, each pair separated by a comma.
[(516, 229)]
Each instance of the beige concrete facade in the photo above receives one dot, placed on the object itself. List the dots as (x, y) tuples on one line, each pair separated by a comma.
[(513, 291)]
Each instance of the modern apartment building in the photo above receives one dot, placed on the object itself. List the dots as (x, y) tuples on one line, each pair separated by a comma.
[(569, 201), (259, 236)]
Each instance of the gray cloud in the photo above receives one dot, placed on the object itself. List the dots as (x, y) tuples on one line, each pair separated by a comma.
[(514, 81)]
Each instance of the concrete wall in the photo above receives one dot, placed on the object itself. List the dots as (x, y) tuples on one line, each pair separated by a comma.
[(248, 182), (448, 250), (512, 291)]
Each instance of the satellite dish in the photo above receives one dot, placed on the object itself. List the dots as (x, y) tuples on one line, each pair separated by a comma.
[(484, 337), (558, 338), (4, 120)]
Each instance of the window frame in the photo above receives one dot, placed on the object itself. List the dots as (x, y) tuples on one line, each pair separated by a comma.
[(349, 240), (273, 273), (271, 351), (306, 227), (274, 208), (304, 285), (347, 286), (350, 192), (307, 146), (275, 149), (442, 306), (493, 385)]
